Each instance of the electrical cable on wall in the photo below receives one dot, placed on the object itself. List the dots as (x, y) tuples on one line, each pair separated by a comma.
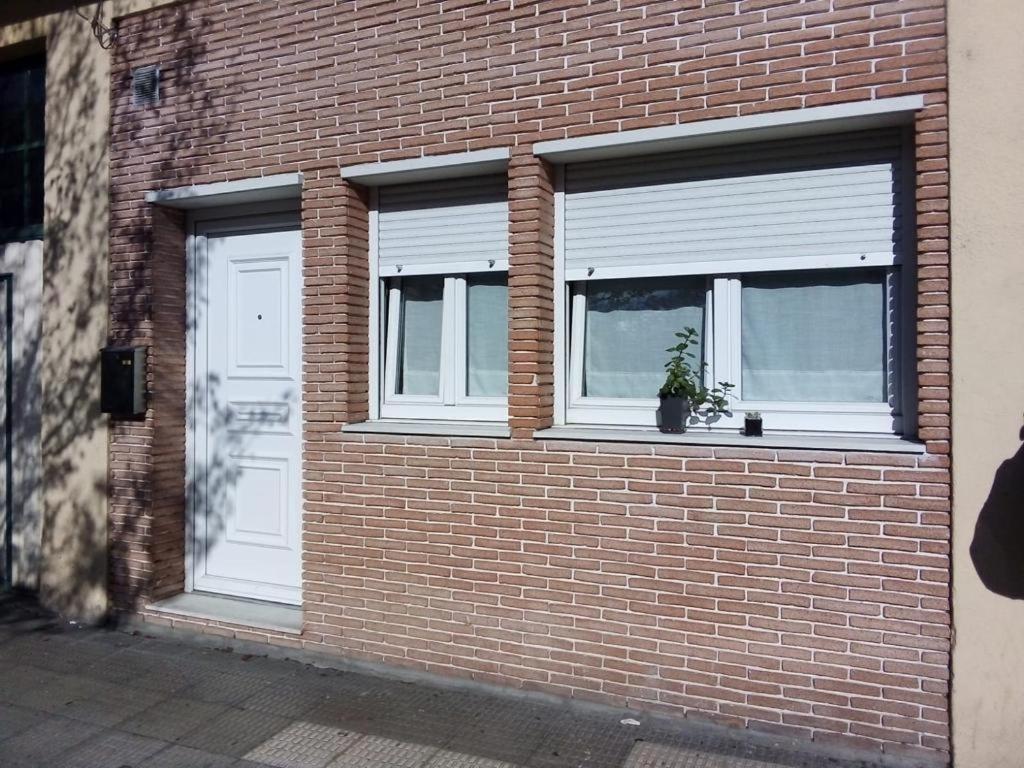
[(106, 36)]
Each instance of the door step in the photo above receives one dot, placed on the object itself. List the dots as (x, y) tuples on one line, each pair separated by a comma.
[(232, 610)]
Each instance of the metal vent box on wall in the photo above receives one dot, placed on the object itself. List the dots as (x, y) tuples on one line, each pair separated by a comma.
[(123, 381), (145, 86)]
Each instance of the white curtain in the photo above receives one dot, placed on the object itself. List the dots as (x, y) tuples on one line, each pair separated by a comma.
[(420, 342), (814, 337), (629, 326), (487, 335)]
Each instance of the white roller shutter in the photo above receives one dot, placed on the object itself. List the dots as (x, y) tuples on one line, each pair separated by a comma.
[(456, 225), (820, 201)]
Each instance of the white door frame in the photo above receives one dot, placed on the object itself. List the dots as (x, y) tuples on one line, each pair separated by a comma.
[(238, 218), (22, 264)]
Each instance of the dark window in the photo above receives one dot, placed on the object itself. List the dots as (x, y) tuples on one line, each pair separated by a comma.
[(22, 142)]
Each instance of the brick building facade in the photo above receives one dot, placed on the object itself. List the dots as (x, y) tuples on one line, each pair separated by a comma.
[(796, 588)]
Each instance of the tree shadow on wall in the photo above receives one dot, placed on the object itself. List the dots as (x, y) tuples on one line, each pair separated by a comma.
[(151, 507), (57, 519), (104, 529), (65, 554), (997, 549)]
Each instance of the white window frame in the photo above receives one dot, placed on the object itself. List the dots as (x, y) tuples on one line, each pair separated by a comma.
[(722, 352), (618, 411), (452, 403), (722, 349)]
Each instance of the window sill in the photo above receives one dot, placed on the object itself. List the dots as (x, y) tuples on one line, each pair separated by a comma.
[(790, 440), (432, 428), (23, 235)]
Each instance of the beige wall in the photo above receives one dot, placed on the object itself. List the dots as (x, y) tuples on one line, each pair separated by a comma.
[(70, 569), (987, 142)]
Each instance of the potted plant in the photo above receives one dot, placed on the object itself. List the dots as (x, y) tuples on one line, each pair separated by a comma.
[(752, 424), (683, 392)]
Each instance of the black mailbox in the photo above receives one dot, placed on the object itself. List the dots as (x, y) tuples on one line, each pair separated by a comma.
[(123, 381)]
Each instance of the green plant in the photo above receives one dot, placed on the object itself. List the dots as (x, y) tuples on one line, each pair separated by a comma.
[(686, 380)]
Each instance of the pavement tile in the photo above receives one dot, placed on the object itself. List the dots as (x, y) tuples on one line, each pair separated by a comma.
[(172, 718), (282, 670), (109, 639), (725, 746), (447, 759), (112, 748), (390, 709), (649, 754), (122, 668), (18, 618), (163, 647), (15, 719), (41, 744), (177, 756), (236, 732), (69, 654), (410, 721), (596, 741), (32, 646), (380, 752), (506, 731), (225, 688), (22, 682), (284, 700), (303, 745), (156, 673), (58, 692), (343, 713), (107, 710)]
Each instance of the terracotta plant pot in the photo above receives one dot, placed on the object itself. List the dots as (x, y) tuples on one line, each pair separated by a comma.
[(673, 415)]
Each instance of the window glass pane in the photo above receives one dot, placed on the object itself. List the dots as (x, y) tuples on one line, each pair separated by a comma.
[(22, 112), (12, 107), (36, 96), (814, 337), (487, 335), (12, 204), (629, 326), (34, 186), (419, 342)]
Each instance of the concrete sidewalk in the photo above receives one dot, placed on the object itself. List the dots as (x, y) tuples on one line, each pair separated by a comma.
[(92, 698)]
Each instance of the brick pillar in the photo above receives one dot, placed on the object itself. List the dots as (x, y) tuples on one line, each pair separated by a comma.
[(167, 385), (147, 456), (531, 293), (336, 296), (933, 303)]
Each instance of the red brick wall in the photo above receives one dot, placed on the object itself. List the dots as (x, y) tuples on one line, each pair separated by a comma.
[(805, 592), (792, 590)]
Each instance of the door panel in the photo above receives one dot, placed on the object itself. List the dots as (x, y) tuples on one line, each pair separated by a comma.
[(258, 319), (248, 451), (260, 502)]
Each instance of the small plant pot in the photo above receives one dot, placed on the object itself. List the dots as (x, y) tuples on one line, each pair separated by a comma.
[(753, 426), (673, 415)]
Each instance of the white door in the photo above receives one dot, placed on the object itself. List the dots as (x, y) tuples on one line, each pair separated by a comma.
[(247, 377)]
